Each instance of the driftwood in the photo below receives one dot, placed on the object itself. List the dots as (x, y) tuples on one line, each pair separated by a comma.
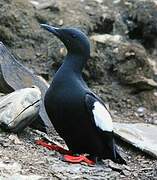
[(14, 76), (19, 108)]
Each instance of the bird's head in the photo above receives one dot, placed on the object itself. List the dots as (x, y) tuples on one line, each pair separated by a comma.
[(75, 41)]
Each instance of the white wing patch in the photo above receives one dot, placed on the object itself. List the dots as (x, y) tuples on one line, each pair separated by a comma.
[(102, 117)]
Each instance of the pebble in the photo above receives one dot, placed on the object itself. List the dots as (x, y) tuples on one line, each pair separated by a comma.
[(6, 144), (127, 54), (22, 177), (14, 138), (10, 167), (141, 111), (38, 54), (60, 22), (116, 1), (126, 173), (99, 1), (114, 166), (63, 51), (155, 93), (115, 50)]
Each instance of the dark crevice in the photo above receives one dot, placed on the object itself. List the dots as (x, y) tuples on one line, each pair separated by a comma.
[(104, 26), (139, 32)]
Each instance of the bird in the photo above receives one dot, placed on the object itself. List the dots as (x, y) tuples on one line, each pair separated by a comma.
[(78, 115)]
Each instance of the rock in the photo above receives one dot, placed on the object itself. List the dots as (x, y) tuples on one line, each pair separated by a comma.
[(15, 76), (22, 177), (127, 62), (106, 38), (99, 1), (140, 135), (19, 108), (145, 83), (42, 4), (148, 100), (126, 173), (118, 167), (141, 19), (14, 138), (10, 167), (141, 111), (115, 167), (155, 93), (153, 119)]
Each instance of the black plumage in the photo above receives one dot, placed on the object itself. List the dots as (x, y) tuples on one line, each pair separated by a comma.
[(73, 108)]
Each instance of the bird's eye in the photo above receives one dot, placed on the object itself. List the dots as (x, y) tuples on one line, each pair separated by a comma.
[(73, 35)]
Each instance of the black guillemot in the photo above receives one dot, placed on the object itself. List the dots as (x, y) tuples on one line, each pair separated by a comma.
[(78, 115)]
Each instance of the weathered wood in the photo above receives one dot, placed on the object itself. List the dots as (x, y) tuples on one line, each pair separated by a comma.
[(14, 76), (19, 108), (140, 135)]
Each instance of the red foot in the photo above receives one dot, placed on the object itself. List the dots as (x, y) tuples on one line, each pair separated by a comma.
[(68, 154), (78, 159)]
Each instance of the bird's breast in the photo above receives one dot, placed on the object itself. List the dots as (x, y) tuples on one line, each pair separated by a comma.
[(64, 97)]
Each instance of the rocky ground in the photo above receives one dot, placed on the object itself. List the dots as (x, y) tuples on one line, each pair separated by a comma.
[(122, 70), (21, 158)]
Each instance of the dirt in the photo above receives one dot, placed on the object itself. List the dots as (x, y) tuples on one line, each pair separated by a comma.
[(120, 70)]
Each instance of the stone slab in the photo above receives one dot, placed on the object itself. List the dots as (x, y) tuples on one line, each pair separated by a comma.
[(140, 135)]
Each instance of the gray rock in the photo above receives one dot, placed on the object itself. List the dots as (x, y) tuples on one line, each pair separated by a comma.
[(10, 167), (42, 4), (127, 61), (141, 111), (22, 177), (19, 108), (106, 38), (14, 76), (140, 135)]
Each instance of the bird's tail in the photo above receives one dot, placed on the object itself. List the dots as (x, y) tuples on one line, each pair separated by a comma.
[(110, 150), (116, 157), (119, 159)]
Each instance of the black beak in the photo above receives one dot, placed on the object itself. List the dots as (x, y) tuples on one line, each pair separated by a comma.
[(51, 29)]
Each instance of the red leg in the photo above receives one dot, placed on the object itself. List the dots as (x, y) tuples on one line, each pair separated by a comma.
[(53, 147), (67, 154)]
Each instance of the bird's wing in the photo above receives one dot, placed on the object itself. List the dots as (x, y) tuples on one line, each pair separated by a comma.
[(101, 117), (99, 113)]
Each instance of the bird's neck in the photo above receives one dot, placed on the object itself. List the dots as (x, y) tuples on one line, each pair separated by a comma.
[(74, 63)]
